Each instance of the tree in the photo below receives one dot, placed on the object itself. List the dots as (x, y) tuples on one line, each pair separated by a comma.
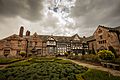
[(113, 51)]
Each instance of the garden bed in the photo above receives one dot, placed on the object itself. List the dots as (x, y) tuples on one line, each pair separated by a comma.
[(8, 60), (51, 69), (42, 69)]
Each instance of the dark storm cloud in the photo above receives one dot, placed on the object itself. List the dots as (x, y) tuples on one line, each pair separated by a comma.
[(95, 12), (88, 14), (27, 9)]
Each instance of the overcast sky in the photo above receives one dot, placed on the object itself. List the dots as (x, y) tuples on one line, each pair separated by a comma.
[(57, 17)]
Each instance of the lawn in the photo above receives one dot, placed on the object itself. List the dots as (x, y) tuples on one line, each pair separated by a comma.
[(51, 69)]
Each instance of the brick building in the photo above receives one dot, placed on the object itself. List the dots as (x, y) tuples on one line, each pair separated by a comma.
[(40, 44), (104, 38)]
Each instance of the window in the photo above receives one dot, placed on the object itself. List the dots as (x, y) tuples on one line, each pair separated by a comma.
[(19, 43), (6, 51), (51, 43), (99, 31), (7, 43), (101, 37), (102, 42), (35, 43)]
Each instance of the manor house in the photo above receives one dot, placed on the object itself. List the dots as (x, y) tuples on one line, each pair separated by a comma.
[(103, 38), (41, 44)]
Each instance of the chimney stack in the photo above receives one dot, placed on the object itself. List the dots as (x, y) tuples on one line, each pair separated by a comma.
[(27, 33), (84, 37), (21, 31)]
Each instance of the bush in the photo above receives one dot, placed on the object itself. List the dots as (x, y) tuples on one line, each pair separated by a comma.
[(66, 54), (113, 51), (106, 55), (22, 53), (91, 57)]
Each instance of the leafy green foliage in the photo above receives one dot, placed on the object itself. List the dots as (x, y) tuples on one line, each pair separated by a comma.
[(66, 54), (47, 70), (91, 57), (8, 60), (113, 51), (22, 53), (106, 55)]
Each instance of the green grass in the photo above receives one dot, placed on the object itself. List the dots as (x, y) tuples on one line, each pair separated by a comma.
[(93, 74)]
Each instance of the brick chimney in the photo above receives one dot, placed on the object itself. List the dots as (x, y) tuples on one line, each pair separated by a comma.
[(21, 31), (84, 37), (27, 33)]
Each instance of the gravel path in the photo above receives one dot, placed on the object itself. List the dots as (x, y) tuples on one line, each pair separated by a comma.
[(113, 72)]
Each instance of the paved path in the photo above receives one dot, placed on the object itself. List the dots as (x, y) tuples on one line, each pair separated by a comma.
[(113, 72)]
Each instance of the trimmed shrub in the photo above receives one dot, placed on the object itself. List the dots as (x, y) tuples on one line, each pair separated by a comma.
[(66, 54), (105, 55), (91, 57), (22, 53)]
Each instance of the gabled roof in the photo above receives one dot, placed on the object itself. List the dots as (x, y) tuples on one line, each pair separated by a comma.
[(117, 28), (44, 38), (108, 28), (72, 38), (14, 36), (62, 38), (91, 38), (57, 38), (105, 27)]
